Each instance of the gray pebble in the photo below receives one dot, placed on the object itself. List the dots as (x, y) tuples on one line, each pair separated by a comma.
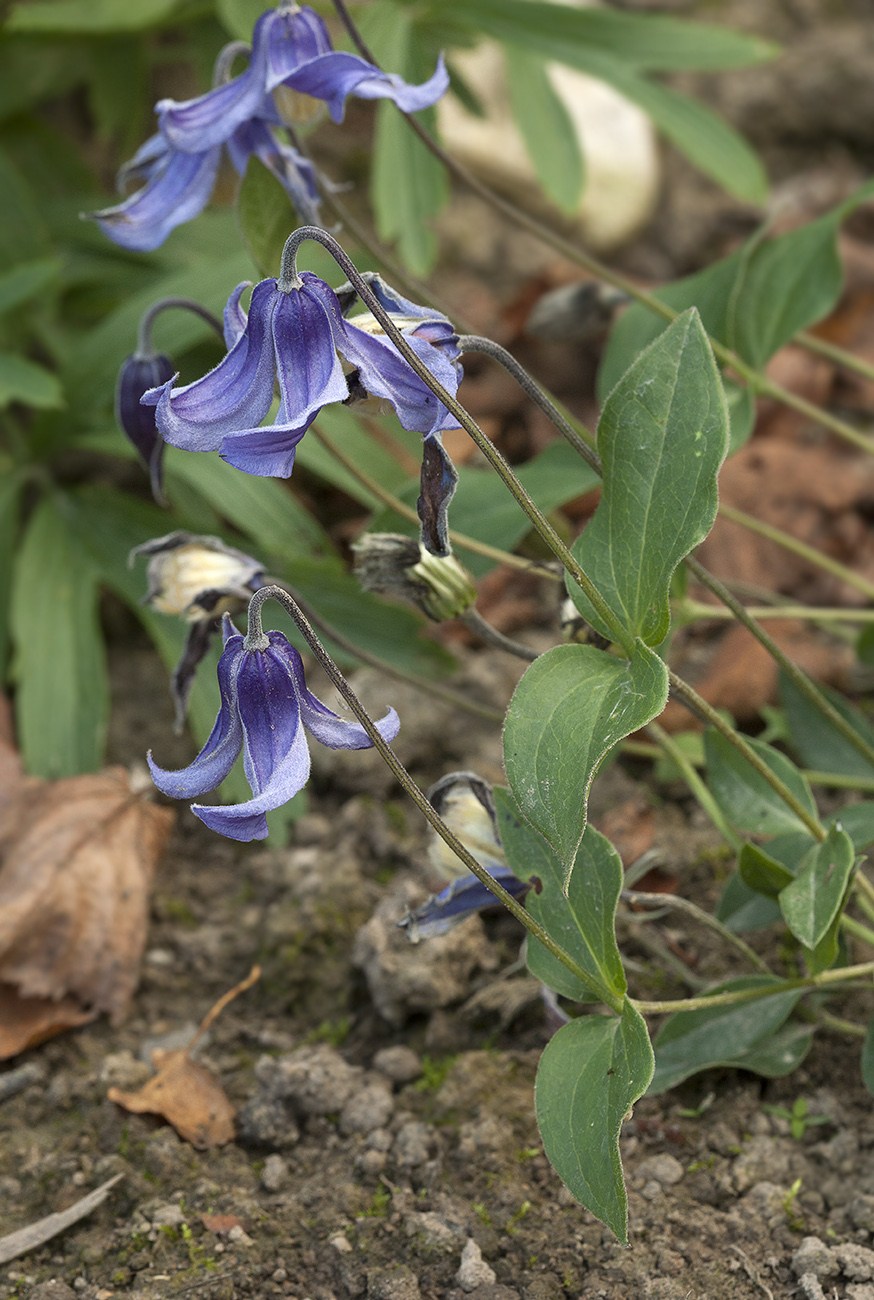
[(369, 1109), (860, 1291), (810, 1288), (473, 1270), (400, 1064), (664, 1169), (814, 1256), (54, 1290), (857, 1262), (412, 1144), (399, 1283), (274, 1175)]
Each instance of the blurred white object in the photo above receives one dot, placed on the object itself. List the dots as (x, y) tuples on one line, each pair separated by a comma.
[(616, 139)]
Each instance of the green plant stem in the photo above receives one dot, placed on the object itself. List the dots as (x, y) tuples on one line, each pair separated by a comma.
[(680, 904), (837, 781), (253, 641), (493, 637), (857, 929), (840, 356), (694, 609), (699, 705), (401, 508), (667, 745), (288, 280), (824, 978), (840, 1025), (790, 543), (800, 680), (446, 693), (487, 347)]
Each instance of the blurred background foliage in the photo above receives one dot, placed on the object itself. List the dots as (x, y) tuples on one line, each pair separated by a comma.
[(78, 80)]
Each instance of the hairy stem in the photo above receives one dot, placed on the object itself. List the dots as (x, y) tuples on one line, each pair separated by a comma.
[(738, 996)]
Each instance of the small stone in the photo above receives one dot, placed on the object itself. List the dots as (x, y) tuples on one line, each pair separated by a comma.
[(124, 1070), (400, 1064), (861, 1209), (473, 1270), (371, 1162), (651, 1191), (857, 1262), (664, 1169), (369, 1109), (54, 1290), (810, 1287), (340, 1243), (79, 1284), (860, 1291), (274, 1175), (239, 1237), (432, 1234), (279, 1275), (398, 1283), (166, 1216), (412, 1144), (380, 1140), (814, 1256)]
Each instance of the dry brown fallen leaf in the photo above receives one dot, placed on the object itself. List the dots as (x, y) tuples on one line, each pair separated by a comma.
[(76, 863), (184, 1092)]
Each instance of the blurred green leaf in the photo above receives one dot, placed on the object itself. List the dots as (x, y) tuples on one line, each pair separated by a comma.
[(742, 909), (810, 902), (91, 16), (26, 281), (26, 382), (647, 41), (762, 873), (240, 16), (266, 217), (11, 487), (23, 235), (409, 186), (549, 134), (59, 666)]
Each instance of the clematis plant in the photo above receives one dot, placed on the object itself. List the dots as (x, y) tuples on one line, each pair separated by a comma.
[(291, 57), (295, 334), (265, 710)]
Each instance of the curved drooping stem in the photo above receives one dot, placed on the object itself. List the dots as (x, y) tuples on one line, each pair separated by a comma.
[(151, 314), (257, 640)]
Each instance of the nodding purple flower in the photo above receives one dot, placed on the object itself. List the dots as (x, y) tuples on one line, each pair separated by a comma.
[(296, 335), (137, 375), (178, 184), (264, 710), (291, 48)]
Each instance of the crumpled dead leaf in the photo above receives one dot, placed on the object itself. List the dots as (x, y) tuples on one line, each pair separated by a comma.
[(184, 1092), (76, 863)]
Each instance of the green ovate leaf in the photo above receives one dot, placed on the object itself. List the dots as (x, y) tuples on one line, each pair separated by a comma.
[(811, 901), (745, 796), (549, 134), (87, 16), (662, 437), (26, 382), (11, 489), (591, 1073), (762, 873), (737, 1035), (583, 922), (409, 187), (266, 217), (571, 707), (645, 41), (819, 745), (62, 695)]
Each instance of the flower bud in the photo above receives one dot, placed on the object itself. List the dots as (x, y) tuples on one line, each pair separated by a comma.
[(198, 577), (139, 373), (403, 569)]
